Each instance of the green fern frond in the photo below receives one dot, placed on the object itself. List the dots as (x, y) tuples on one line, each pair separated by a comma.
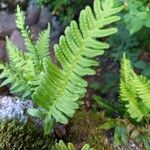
[(134, 91), (18, 82), (20, 22), (143, 89), (24, 69), (62, 146), (42, 44), (60, 88), (36, 51)]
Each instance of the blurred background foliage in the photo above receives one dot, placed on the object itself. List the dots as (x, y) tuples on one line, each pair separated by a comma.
[(65, 9)]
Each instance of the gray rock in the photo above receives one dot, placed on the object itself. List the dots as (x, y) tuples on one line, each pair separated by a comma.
[(14, 108), (57, 29), (7, 24), (45, 18), (3, 54), (32, 14), (18, 40)]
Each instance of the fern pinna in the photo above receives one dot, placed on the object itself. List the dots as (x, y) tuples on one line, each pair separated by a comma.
[(24, 69), (134, 91), (62, 146), (61, 87)]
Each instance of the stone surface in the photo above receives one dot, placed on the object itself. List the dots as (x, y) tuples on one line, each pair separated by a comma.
[(14, 107), (18, 40), (13, 3), (32, 14), (45, 18), (3, 54), (57, 29), (7, 24)]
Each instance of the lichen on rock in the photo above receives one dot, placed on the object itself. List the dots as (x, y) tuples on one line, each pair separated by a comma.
[(14, 108)]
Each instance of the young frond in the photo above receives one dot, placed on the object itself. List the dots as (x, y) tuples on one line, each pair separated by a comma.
[(134, 91), (61, 87)]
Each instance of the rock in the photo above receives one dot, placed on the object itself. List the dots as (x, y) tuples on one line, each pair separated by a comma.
[(45, 18), (3, 6), (14, 108), (18, 40), (57, 29), (32, 15), (12, 4), (3, 54), (7, 24)]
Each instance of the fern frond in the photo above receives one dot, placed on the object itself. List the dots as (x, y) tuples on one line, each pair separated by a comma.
[(20, 22), (143, 89), (24, 69), (18, 82), (36, 51), (62, 146), (42, 44), (134, 91), (60, 88)]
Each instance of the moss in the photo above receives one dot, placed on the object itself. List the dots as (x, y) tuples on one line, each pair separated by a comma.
[(84, 127), (28, 136)]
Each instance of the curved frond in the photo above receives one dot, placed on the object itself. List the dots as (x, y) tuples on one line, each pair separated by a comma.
[(61, 87)]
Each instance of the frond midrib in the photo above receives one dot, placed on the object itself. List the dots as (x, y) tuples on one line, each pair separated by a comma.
[(70, 70)]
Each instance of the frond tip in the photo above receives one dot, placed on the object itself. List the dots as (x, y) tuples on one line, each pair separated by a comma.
[(61, 87)]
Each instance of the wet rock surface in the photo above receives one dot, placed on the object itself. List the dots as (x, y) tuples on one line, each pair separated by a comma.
[(14, 108)]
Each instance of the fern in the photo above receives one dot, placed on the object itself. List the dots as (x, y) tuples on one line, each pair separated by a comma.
[(62, 146), (134, 91), (24, 69), (61, 87)]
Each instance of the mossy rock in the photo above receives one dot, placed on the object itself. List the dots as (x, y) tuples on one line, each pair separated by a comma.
[(85, 127), (28, 136)]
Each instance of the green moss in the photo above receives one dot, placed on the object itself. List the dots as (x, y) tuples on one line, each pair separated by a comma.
[(85, 127), (28, 136)]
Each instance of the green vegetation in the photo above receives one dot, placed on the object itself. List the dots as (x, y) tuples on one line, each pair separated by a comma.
[(57, 90), (85, 127), (25, 68), (15, 135), (123, 101), (134, 91), (61, 145), (66, 10), (135, 108)]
